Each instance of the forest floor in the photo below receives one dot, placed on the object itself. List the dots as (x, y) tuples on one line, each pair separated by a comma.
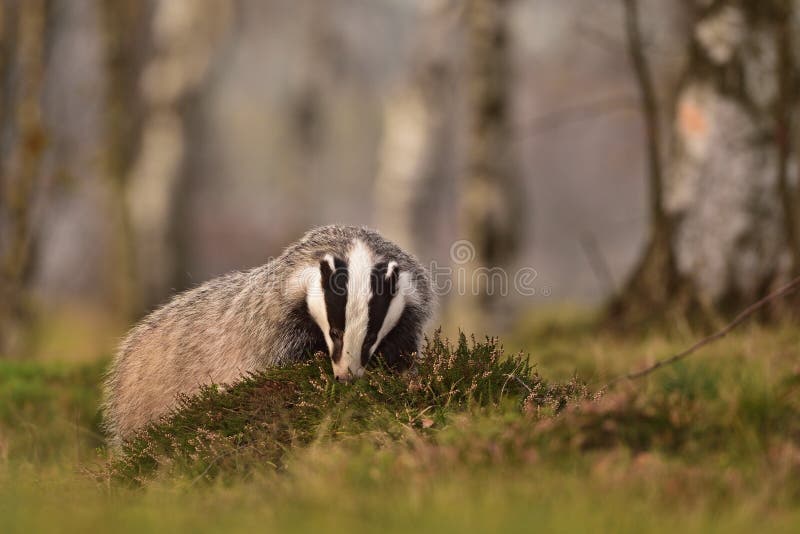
[(475, 441)]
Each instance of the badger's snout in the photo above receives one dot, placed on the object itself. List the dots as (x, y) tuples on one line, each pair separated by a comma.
[(348, 375), (344, 378), (357, 297)]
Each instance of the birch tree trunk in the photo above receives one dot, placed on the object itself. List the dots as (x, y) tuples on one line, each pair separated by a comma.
[(490, 212), (188, 38), (155, 82), (23, 50), (126, 35), (730, 195), (416, 174)]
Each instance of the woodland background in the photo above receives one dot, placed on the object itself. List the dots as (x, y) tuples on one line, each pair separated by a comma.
[(638, 149), (640, 155)]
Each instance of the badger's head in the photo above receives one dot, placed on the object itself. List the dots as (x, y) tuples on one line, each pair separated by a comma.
[(356, 301)]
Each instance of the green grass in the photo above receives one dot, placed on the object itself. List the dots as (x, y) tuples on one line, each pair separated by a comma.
[(709, 445), (49, 411)]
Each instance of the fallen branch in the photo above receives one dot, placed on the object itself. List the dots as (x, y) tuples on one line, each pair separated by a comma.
[(786, 290)]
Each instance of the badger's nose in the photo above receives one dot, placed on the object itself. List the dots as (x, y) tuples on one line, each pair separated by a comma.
[(344, 379)]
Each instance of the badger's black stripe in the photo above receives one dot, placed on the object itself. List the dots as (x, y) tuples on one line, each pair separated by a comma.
[(310, 338), (402, 340), (383, 291), (334, 285)]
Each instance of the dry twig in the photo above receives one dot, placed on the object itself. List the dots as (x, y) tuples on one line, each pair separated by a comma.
[(784, 291)]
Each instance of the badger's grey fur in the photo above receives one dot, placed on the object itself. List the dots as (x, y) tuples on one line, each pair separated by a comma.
[(274, 314)]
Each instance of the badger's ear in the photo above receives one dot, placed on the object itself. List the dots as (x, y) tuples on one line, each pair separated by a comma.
[(392, 276), (326, 267), (333, 274)]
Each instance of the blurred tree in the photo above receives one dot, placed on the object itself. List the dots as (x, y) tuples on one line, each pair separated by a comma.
[(127, 35), (189, 39), (322, 53), (416, 175), (160, 56), (23, 49), (724, 208), (491, 210)]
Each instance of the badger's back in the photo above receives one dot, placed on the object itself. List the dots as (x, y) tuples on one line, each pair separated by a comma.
[(215, 333), (237, 324)]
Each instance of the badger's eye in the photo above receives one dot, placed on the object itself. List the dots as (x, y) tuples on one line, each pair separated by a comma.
[(336, 334)]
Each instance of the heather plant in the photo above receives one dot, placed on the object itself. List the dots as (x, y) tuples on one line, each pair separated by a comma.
[(231, 430)]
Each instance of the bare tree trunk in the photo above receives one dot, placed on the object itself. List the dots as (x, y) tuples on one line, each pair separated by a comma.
[(416, 174), (215, 47), (22, 64), (127, 33), (729, 206), (656, 283), (490, 210), (308, 111), (407, 134), (155, 82), (786, 117)]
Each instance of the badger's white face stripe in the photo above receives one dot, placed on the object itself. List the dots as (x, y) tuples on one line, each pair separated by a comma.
[(396, 307), (315, 299), (356, 301), (359, 291)]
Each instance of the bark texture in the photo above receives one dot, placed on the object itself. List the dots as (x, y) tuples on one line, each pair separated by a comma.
[(23, 50), (490, 211), (416, 177), (188, 38), (723, 188), (126, 30), (156, 74), (729, 228)]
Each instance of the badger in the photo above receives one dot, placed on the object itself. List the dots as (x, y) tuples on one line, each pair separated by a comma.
[(342, 290)]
